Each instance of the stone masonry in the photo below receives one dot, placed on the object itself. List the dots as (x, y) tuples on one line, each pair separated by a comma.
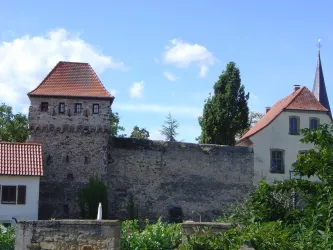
[(206, 179), (68, 235), (75, 147)]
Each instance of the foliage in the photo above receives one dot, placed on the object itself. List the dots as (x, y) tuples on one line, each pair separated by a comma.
[(115, 128), (13, 127), (90, 197), (158, 236), (225, 114), (169, 128), (7, 238), (254, 117), (139, 133)]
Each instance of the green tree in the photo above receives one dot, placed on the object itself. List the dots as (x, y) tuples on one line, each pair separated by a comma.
[(13, 127), (115, 128), (254, 117), (225, 113), (169, 128), (139, 133)]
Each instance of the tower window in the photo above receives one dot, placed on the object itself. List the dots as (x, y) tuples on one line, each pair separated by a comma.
[(78, 108), (314, 122), (96, 108), (45, 107), (70, 177), (61, 108), (294, 125)]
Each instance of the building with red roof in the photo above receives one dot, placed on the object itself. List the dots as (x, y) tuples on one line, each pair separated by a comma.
[(275, 138), (21, 167)]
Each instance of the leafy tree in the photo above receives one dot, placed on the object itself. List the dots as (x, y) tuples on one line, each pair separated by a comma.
[(13, 127), (169, 128), (115, 128), (90, 196), (225, 113), (139, 133), (254, 117)]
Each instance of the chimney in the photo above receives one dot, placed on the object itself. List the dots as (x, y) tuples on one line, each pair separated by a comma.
[(268, 109), (296, 87)]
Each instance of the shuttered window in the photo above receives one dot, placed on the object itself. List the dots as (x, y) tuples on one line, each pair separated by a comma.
[(21, 195)]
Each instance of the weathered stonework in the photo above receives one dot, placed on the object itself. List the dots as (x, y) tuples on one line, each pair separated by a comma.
[(68, 235), (75, 147), (201, 178)]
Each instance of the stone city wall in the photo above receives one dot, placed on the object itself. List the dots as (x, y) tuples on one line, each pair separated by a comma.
[(201, 178)]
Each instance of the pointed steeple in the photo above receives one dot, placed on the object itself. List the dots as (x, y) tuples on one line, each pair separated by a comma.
[(319, 88)]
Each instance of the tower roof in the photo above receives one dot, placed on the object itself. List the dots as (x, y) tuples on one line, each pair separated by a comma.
[(72, 79), (319, 87)]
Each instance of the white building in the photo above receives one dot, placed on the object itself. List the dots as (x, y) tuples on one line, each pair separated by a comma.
[(276, 137), (20, 170)]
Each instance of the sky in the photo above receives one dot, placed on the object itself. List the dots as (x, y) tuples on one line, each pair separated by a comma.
[(158, 57)]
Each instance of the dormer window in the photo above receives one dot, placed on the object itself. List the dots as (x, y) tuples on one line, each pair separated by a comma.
[(78, 108), (45, 107), (294, 125), (96, 108), (61, 108), (314, 123)]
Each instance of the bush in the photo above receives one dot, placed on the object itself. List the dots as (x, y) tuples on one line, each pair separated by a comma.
[(158, 236), (90, 196), (7, 238)]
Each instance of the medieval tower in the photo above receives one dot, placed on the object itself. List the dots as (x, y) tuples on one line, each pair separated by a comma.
[(69, 115)]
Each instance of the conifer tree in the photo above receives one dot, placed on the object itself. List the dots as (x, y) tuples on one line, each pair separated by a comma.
[(225, 112), (169, 128)]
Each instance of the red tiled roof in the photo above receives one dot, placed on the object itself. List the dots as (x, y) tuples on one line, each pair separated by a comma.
[(301, 99), (21, 159), (72, 79)]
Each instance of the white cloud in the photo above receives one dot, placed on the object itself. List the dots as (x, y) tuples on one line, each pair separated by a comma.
[(155, 108), (155, 134), (25, 61), (114, 92), (183, 54), (171, 77), (136, 91)]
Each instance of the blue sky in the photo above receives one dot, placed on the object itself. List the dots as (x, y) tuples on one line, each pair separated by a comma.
[(160, 56)]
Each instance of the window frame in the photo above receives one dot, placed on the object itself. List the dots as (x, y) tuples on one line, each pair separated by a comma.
[(93, 108), (62, 104), (42, 107), (316, 119), (297, 125), (282, 170), (2, 195), (76, 108)]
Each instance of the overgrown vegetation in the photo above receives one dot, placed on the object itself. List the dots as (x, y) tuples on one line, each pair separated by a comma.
[(7, 238), (90, 196)]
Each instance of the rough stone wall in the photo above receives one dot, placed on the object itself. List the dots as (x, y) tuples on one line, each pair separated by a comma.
[(67, 234), (201, 178), (75, 147)]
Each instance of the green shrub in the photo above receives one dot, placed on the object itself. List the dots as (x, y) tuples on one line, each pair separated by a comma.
[(7, 238), (158, 236), (90, 196)]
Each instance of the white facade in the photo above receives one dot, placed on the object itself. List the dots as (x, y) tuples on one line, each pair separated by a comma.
[(27, 211), (276, 136)]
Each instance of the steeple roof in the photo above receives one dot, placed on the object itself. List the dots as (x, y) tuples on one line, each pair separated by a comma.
[(319, 88)]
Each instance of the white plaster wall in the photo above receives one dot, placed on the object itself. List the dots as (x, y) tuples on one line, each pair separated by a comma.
[(276, 135), (28, 211)]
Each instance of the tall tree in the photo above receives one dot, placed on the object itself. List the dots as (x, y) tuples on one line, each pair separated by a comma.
[(225, 112), (13, 127), (169, 128), (115, 128), (139, 133)]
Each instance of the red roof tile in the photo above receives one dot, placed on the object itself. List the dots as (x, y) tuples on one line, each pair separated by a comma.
[(21, 159), (72, 79), (301, 99)]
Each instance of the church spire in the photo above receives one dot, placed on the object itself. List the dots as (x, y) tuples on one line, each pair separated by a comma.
[(319, 88)]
